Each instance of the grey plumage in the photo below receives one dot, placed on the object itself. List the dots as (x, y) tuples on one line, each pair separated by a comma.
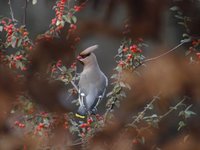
[(92, 83)]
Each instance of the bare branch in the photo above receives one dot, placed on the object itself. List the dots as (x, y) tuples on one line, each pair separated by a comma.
[(166, 53), (11, 11)]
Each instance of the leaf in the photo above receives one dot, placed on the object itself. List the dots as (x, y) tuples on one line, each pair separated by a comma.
[(128, 86), (114, 76), (58, 23), (14, 41), (123, 94), (186, 40), (185, 35), (34, 2), (179, 17), (145, 45), (187, 53), (117, 89), (181, 125), (174, 8), (67, 18), (109, 94), (64, 68), (189, 113), (181, 23), (186, 138), (180, 13), (19, 42), (62, 23), (122, 84), (74, 19)]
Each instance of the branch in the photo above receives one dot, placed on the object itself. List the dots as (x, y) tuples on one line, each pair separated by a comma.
[(109, 110), (141, 114), (11, 11), (166, 53), (75, 144), (72, 82), (172, 109)]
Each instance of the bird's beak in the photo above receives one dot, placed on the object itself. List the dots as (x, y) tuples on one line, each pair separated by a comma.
[(79, 57)]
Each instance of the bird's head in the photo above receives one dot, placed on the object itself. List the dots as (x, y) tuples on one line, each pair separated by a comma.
[(87, 56)]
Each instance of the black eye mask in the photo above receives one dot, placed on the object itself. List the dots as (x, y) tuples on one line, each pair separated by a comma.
[(84, 56)]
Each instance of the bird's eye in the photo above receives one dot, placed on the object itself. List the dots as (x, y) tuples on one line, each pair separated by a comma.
[(84, 56)]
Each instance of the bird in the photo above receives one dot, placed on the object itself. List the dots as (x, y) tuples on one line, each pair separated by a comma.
[(92, 83)]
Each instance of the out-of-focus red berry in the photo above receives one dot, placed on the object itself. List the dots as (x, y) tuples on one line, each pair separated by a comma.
[(77, 8), (133, 48), (125, 49), (198, 55), (135, 141)]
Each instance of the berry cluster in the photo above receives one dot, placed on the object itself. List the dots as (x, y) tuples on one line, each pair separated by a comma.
[(72, 28), (92, 122), (73, 66), (20, 125), (130, 53), (9, 28), (195, 47), (59, 20), (16, 37)]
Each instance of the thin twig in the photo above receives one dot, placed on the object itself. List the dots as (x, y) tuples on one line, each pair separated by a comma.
[(25, 12), (72, 82), (75, 144), (166, 53), (109, 110), (141, 114), (11, 11), (172, 108)]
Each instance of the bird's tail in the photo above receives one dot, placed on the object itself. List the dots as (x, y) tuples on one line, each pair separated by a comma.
[(81, 112)]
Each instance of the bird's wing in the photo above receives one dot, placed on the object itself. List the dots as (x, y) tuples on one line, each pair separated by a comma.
[(101, 89)]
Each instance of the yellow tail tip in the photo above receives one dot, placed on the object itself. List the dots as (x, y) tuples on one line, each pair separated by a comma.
[(79, 116)]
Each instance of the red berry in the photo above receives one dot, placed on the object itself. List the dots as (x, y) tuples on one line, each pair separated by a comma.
[(140, 40), (121, 63), (25, 33), (198, 55), (84, 125), (133, 48), (16, 122), (73, 26), (77, 8), (135, 141), (41, 125), (125, 49), (89, 121), (21, 125), (194, 42)]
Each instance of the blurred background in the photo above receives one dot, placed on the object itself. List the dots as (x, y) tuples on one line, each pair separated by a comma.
[(106, 22)]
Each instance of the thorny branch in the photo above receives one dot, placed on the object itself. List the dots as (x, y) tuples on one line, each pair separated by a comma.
[(141, 114), (173, 108)]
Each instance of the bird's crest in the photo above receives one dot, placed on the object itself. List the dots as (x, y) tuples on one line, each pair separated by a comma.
[(89, 50)]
